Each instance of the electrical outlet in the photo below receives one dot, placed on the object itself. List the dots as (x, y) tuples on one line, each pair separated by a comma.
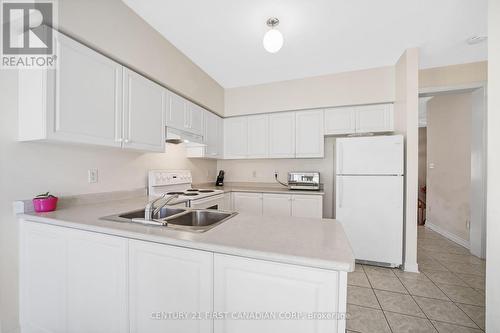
[(275, 174), (93, 176)]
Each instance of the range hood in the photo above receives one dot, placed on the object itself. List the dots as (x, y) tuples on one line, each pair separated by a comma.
[(176, 136)]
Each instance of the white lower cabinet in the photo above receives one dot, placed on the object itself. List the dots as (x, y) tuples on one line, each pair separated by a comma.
[(72, 281), (277, 204), (78, 281), (274, 204), (307, 206), (250, 203), (167, 279), (244, 286)]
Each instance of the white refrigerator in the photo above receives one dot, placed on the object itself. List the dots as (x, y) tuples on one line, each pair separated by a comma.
[(369, 196)]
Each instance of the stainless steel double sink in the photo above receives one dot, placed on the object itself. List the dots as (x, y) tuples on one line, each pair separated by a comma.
[(197, 220)]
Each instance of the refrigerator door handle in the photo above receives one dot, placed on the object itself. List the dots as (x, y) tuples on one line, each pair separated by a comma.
[(341, 159), (341, 189)]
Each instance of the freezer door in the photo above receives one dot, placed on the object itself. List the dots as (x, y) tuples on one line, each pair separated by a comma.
[(370, 208), (375, 155)]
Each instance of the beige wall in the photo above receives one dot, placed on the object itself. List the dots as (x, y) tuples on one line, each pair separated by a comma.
[(350, 88), (449, 149), (455, 75), (422, 157), (113, 28), (493, 213), (30, 168), (242, 171), (406, 122)]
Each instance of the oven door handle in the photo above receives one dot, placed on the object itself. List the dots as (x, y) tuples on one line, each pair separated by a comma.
[(208, 199)]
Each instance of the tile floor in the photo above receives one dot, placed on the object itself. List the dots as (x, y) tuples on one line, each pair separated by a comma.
[(446, 297)]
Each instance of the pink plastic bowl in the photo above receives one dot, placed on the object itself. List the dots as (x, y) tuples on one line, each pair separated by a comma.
[(43, 205)]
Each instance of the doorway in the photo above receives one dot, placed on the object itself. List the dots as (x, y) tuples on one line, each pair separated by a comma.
[(452, 164)]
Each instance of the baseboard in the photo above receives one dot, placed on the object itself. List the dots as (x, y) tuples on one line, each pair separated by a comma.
[(447, 234), (412, 268)]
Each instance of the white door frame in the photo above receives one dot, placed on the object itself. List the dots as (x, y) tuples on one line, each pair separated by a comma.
[(477, 233)]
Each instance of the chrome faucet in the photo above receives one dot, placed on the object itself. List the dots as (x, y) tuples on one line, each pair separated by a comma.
[(150, 211)]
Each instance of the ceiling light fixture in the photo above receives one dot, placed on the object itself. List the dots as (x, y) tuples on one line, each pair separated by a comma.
[(273, 39)]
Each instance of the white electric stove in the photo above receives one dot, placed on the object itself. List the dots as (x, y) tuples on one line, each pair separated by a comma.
[(179, 182)]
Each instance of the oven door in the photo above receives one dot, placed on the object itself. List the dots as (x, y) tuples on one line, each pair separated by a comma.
[(212, 202)]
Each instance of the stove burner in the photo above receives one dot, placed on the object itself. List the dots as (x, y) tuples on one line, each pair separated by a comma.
[(206, 191), (190, 194), (192, 190), (175, 192)]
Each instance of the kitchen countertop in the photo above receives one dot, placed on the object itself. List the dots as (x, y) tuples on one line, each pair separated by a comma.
[(256, 188), (319, 243)]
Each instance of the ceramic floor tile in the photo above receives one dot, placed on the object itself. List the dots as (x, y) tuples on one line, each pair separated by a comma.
[(476, 313), (465, 295), (445, 278), (362, 296), (431, 266), (450, 328), (409, 275), (403, 324), (366, 320), (444, 311), (400, 303), (358, 279), (473, 281), (423, 288), (374, 270), (465, 268), (389, 283), (358, 268)]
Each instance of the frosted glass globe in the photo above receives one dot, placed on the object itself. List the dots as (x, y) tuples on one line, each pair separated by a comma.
[(273, 41)]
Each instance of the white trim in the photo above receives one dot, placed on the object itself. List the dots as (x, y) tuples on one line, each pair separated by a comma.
[(447, 234), (412, 268), (458, 87)]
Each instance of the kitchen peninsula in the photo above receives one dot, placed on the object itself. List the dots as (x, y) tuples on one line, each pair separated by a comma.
[(80, 273)]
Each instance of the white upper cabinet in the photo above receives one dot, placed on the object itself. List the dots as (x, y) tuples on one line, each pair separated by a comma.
[(309, 134), (185, 115), (213, 131), (258, 136), (235, 137), (144, 105), (80, 101), (359, 119), (340, 121), (176, 112), (282, 135), (194, 118), (87, 99), (375, 118)]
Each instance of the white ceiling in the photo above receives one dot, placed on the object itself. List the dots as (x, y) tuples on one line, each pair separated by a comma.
[(224, 37)]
